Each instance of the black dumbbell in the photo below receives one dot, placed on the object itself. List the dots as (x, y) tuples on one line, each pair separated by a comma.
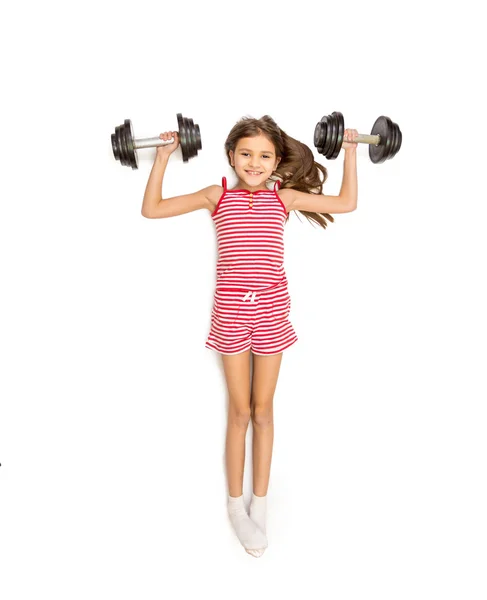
[(385, 138), (124, 145)]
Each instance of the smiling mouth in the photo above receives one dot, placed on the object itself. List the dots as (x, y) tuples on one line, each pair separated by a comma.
[(254, 172)]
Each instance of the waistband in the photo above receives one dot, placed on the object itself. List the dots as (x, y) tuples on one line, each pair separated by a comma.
[(251, 294)]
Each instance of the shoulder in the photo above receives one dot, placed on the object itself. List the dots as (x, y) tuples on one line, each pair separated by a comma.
[(213, 193), (287, 197)]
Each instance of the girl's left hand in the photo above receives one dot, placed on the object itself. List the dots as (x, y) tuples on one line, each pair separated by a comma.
[(348, 137)]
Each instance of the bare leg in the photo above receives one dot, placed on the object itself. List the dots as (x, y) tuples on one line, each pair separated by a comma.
[(264, 381), (237, 375)]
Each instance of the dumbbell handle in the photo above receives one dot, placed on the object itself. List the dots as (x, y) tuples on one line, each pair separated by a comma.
[(152, 142), (373, 140)]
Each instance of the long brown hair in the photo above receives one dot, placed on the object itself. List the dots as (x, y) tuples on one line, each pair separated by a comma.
[(297, 168)]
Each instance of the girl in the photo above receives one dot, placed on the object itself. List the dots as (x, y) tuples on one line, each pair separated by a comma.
[(251, 305)]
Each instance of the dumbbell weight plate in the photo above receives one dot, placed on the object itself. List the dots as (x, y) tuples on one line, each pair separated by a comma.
[(126, 143), (323, 138), (391, 139), (129, 140), (189, 136), (193, 137), (329, 142), (116, 144), (182, 136), (120, 137), (338, 125), (397, 140), (328, 137), (119, 145), (320, 135), (185, 137), (394, 139), (190, 131), (122, 145), (196, 136)]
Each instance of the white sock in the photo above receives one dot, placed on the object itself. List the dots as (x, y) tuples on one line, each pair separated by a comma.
[(258, 511), (251, 537)]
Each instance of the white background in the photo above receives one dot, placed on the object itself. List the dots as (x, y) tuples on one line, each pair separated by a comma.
[(113, 413)]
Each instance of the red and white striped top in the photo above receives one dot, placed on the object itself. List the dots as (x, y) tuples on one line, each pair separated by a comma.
[(250, 238)]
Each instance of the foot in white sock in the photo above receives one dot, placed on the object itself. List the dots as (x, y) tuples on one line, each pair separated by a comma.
[(258, 511), (250, 536)]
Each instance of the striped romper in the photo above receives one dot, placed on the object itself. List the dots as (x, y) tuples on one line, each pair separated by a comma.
[(251, 304)]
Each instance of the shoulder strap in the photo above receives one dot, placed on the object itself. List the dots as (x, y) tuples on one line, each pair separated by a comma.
[(277, 185), (224, 184)]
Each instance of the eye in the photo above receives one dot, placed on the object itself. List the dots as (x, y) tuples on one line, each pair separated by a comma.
[(246, 154)]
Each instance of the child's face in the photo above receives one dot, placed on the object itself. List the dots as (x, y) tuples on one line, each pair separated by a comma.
[(254, 160)]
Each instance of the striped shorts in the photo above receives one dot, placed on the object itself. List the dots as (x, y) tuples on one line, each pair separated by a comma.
[(259, 320)]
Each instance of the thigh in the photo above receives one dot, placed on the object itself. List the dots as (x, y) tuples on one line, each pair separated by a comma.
[(264, 381), (237, 376)]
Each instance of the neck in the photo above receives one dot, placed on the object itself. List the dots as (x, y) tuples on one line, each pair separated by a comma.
[(255, 188)]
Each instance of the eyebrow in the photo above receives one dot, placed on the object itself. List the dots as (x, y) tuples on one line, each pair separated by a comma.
[(263, 151)]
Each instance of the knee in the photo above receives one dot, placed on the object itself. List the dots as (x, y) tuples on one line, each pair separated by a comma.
[(262, 416), (238, 415)]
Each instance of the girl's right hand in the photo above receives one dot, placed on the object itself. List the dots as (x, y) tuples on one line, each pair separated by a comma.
[(168, 149)]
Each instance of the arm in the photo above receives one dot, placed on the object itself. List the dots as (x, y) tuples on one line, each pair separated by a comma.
[(153, 205), (346, 201), (349, 187)]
